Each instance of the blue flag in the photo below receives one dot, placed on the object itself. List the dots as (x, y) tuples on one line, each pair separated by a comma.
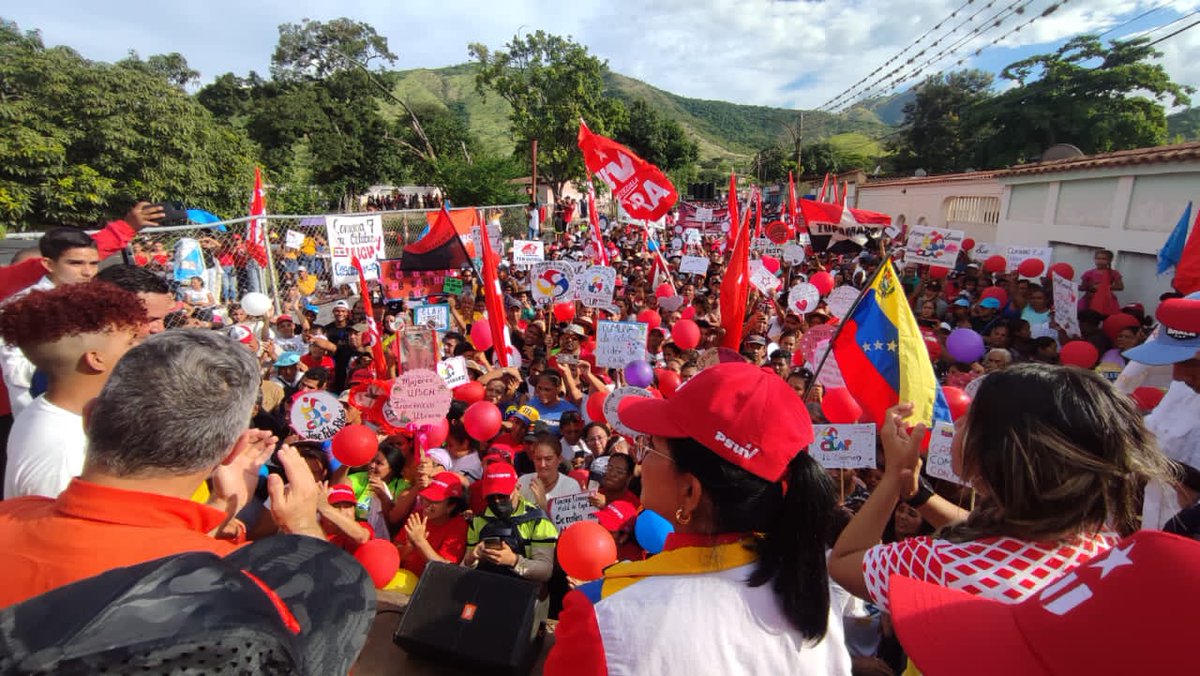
[(1172, 251)]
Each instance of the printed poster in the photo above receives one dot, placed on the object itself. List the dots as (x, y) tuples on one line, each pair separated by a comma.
[(762, 278), (844, 446), (317, 416), (355, 236), (933, 246), (526, 252), (551, 282), (454, 372), (595, 286), (436, 316)]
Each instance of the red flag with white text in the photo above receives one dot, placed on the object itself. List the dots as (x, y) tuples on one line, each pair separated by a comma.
[(639, 186)]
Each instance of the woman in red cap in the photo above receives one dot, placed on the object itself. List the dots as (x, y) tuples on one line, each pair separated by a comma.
[(740, 586)]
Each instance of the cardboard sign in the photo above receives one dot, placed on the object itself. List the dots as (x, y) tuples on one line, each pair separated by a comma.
[(568, 509), (551, 282), (762, 278), (527, 252), (354, 236), (933, 246), (419, 397), (844, 446), (317, 416), (938, 463), (595, 286), (840, 300), (766, 247), (693, 265), (618, 343), (793, 254), (452, 286), (1066, 305), (803, 298), (1016, 254), (294, 240), (436, 316), (454, 372), (611, 407)]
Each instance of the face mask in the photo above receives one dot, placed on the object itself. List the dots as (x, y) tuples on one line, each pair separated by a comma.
[(501, 506)]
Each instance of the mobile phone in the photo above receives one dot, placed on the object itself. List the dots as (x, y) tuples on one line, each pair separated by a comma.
[(492, 543)]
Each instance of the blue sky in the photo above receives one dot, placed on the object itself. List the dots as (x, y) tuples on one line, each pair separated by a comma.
[(791, 54)]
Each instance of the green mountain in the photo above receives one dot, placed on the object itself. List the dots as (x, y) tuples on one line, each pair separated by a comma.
[(723, 131), (1184, 125)]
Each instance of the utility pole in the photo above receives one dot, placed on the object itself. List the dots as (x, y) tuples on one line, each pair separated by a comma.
[(800, 147), (533, 196)]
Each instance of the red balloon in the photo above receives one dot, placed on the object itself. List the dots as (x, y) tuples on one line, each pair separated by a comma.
[(1031, 267), (995, 292), (688, 312), (995, 264), (435, 434), (595, 406), (1182, 314), (469, 393), (650, 317), (958, 401), (664, 290), (564, 312), (686, 334), (482, 420), (381, 559), (839, 406), (823, 281), (938, 272), (1079, 353), (355, 445), (1063, 270), (585, 549), (771, 264), (481, 335), (1147, 398), (933, 347), (668, 382), (968, 244)]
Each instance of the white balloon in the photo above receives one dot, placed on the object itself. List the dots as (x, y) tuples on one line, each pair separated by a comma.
[(256, 304)]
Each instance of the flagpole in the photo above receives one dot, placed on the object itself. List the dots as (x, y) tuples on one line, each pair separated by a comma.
[(842, 325)]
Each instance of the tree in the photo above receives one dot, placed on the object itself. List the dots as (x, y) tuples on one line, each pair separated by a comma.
[(82, 140), (658, 139), (227, 96), (941, 132), (315, 50), (551, 83), (1097, 97)]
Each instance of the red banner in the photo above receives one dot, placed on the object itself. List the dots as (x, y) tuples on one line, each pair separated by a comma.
[(639, 186)]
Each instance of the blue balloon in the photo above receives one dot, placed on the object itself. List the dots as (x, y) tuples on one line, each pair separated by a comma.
[(652, 245), (651, 531), (327, 446)]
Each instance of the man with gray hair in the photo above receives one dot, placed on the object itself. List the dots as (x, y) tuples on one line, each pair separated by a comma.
[(173, 414)]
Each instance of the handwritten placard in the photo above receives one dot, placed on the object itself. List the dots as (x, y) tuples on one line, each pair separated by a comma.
[(803, 298), (1015, 255), (568, 509), (419, 397), (793, 254), (1066, 308), (840, 300), (454, 372), (762, 278), (294, 239), (844, 446), (527, 252), (595, 286), (939, 463), (436, 316), (354, 236), (693, 265), (618, 343), (317, 416)]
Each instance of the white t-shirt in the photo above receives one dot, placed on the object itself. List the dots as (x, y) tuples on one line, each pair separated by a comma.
[(565, 486), (569, 450), (46, 449), (17, 369)]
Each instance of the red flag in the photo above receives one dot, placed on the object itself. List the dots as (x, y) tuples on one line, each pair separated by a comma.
[(494, 300), (733, 211), (639, 186), (256, 228), (1187, 270), (735, 289), (757, 213), (594, 219), (845, 190), (375, 335), (821, 196)]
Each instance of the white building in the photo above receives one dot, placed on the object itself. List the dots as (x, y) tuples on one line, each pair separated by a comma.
[(1126, 201)]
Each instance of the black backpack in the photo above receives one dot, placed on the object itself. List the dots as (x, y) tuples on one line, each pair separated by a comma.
[(510, 533)]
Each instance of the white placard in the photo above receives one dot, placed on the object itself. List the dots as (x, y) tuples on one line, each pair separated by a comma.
[(691, 236), (840, 300), (350, 237), (612, 403), (436, 316), (568, 509), (763, 279), (933, 246), (317, 416), (294, 240), (803, 298), (526, 252), (1014, 255), (552, 282), (792, 253), (618, 343), (766, 247), (704, 214), (595, 286), (1066, 308), (845, 446), (939, 463), (454, 372), (693, 265), (419, 397)]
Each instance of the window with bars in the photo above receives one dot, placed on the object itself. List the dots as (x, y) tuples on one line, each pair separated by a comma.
[(984, 210)]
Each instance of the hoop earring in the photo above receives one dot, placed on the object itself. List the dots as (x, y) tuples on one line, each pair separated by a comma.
[(681, 518)]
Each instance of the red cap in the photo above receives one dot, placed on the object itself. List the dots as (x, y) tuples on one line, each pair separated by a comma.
[(1118, 599), (747, 416), (242, 334), (499, 478), (444, 486), (617, 516), (284, 318), (340, 494)]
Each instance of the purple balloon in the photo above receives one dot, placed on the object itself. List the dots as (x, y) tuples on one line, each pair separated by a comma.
[(1113, 356), (964, 345), (639, 373)]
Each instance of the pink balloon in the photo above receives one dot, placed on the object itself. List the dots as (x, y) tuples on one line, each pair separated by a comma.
[(481, 335)]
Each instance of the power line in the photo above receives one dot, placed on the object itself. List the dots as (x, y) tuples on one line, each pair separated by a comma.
[(1168, 37), (1139, 16), (1151, 31)]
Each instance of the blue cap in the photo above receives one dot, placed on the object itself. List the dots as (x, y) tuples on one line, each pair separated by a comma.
[(962, 302), (313, 308), (1168, 346), (288, 359), (991, 303)]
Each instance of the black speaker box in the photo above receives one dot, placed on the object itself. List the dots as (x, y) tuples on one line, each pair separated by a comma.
[(469, 618)]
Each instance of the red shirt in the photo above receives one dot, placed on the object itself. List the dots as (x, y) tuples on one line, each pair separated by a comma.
[(347, 543), (90, 529), (449, 540), (309, 362)]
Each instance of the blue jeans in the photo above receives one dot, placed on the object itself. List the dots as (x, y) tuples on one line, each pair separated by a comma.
[(229, 291), (249, 278)]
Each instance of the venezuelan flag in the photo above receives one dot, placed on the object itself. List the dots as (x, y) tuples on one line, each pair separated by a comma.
[(882, 355)]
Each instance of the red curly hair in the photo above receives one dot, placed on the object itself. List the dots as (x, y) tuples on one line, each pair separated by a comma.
[(42, 317)]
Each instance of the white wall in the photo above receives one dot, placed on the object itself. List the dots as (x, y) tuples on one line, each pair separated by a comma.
[(927, 199)]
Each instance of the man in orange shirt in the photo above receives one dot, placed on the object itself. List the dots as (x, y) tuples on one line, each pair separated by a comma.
[(173, 413)]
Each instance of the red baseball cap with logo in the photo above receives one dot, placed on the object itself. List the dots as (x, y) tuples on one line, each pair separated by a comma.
[(499, 478), (619, 515), (443, 486), (341, 494), (748, 416), (1130, 610)]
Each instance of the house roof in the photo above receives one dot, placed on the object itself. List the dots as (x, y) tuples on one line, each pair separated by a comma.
[(1180, 152), (923, 180)]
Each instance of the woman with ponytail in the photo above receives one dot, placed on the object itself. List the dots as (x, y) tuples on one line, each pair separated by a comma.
[(741, 585)]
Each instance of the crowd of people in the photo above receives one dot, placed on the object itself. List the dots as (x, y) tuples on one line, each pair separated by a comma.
[(145, 423)]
